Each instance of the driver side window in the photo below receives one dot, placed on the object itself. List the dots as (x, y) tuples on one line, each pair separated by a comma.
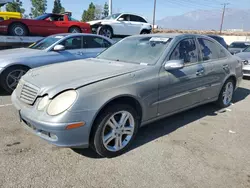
[(186, 50), (72, 43), (126, 17)]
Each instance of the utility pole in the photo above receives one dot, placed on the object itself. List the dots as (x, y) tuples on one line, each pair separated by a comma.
[(154, 16), (110, 7), (223, 14)]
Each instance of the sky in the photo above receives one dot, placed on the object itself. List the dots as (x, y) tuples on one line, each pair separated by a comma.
[(145, 7)]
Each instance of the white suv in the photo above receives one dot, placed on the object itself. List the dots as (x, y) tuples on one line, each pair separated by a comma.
[(121, 25)]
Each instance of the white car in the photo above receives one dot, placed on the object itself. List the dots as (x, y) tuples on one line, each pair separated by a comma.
[(124, 24)]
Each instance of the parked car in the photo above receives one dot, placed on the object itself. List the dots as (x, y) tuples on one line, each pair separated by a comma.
[(44, 25), (14, 63), (245, 56), (237, 47), (9, 15), (121, 24), (101, 102), (220, 40)]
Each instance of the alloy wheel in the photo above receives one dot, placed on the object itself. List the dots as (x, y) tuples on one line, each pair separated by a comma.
[(13, 78), (228, 93), (118, 131)]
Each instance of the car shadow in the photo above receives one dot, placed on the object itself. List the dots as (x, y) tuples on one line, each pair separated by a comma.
[(3, 93), (168, 125)]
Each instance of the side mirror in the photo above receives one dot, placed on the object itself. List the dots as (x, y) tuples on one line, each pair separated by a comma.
[(58, 48), (120, 19), (174, 64)]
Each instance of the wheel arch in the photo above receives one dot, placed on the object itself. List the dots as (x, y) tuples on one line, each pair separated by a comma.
[(122, 99)]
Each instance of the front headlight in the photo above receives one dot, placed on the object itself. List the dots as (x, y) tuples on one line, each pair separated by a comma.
[(61, 102)]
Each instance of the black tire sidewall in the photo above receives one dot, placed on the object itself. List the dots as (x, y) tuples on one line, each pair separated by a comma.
[(97, 143), (220, 99), (12, 29), (4, 75)]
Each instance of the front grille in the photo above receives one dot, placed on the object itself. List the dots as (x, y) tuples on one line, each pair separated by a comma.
[(28, 93)]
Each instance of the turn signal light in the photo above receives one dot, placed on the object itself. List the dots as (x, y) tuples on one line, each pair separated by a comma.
[(75, 125)]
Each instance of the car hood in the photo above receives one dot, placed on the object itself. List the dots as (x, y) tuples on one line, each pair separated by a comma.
[(55, 78), (244, 55), (13, 54), (98, 21)]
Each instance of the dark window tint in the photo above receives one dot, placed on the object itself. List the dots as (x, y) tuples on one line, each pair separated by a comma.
[(95, 42), (1, 18), (72, 43), (239, 45), (137, 19), (185, 50), (209, 49), (126, 17)]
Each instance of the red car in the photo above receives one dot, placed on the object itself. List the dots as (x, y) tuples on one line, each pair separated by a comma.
[(44, 25)]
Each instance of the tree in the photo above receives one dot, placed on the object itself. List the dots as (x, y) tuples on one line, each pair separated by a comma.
[(106, 10), (89, 15), (58, 7), (38, 7), (16, 6)]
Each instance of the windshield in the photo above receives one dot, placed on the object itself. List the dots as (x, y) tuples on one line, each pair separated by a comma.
[(45, 43), (42, 17), (247, 49), (239, 45), (112, 17), (137, 50)]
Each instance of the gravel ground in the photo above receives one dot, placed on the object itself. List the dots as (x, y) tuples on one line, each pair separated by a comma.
[(203, 147)]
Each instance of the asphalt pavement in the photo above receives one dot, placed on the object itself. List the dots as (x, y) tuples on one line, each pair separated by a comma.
[(204, 147)]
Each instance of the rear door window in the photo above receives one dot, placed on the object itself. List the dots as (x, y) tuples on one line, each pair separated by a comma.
[(209, 49), (95, 42)]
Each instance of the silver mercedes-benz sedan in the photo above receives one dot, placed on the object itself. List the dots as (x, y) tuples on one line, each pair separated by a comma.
[(245, 56), (15, 63), (101, 102)]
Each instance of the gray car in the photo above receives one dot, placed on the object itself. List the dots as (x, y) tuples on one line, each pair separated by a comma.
[(245, 56), (237, 47), (101, 102), (15, 63)]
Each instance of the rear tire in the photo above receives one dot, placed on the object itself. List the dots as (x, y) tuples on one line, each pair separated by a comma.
[(74, 30), (18, 29), (118, 137), (11, 76), (226, 94)]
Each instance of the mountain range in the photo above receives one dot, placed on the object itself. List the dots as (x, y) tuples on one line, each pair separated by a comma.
[(208, 20)]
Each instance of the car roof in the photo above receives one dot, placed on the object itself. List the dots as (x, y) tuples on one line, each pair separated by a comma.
[(170, 35), (217, 36), (81, 34)]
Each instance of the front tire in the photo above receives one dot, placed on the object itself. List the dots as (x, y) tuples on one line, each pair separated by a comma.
[(226, 94), (114, 130), (11, 76), (18, 29), (105, 31)]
